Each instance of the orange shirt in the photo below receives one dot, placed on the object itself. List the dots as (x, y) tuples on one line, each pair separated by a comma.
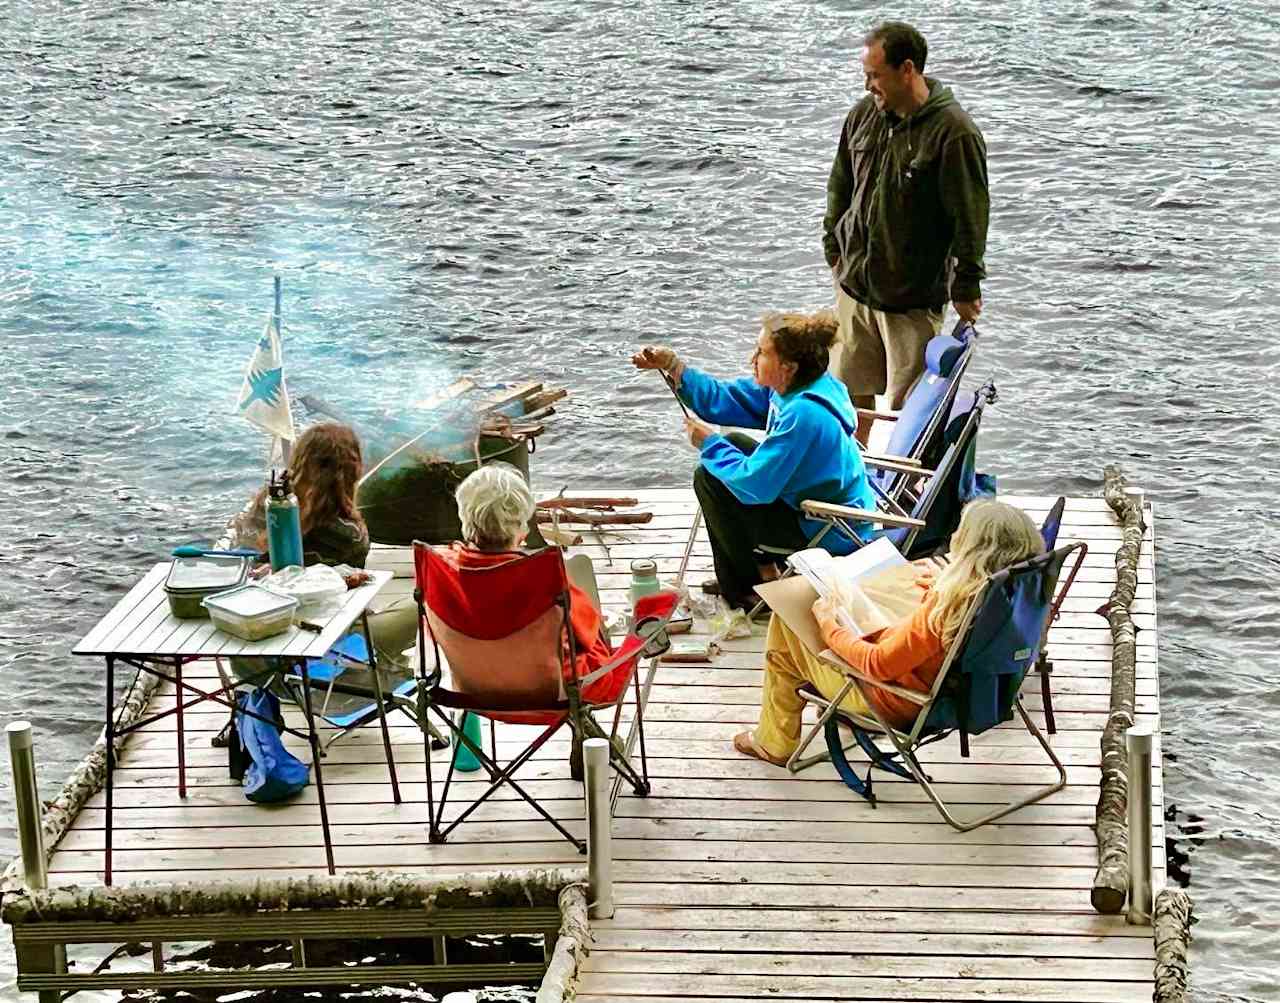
[(908, 654)]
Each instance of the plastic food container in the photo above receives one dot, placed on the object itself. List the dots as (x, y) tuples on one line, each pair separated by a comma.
[(251, 612), (191, 579)]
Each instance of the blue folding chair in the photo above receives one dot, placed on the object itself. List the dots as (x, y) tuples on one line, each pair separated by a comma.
[(918, 429), (936, 495), (977, 688)]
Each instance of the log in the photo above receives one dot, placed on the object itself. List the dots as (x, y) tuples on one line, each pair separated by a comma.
[(454, 390), (520, 392), (573, 502), (572, 945), (85, 780), (1111, 821), (371, 889), (595, 518), (538, 415), (544, 398), (1171, 922), (560, 537)]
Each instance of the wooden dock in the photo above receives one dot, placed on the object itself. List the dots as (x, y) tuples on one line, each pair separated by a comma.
[(734, 880)]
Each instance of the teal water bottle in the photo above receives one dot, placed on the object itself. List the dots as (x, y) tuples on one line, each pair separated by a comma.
[(284, 525), (464, 760)]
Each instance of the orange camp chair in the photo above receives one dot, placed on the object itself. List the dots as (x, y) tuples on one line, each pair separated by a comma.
[(505, 634)]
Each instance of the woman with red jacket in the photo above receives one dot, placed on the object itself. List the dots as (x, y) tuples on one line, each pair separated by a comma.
[(494, 507)]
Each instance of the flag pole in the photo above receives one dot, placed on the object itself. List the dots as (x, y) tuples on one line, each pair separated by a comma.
[(286, 447)]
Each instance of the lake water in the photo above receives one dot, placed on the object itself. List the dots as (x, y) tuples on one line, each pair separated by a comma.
[(527, 190)]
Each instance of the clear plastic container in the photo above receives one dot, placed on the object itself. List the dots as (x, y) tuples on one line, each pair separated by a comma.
[(251, 612), (192, 579)]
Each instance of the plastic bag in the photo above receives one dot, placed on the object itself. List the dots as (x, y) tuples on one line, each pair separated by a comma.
[(728, 624), (319, 589)]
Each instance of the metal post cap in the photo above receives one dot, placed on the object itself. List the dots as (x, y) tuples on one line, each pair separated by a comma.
[(19, 735), (1138, 737)]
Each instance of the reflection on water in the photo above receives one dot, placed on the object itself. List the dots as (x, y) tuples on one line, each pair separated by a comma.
[(525, 191)]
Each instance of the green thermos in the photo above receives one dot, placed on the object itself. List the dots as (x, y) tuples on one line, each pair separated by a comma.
[(644, 579)]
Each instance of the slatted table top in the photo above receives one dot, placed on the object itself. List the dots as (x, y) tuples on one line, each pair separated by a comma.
[(734, 880), (140, 624)]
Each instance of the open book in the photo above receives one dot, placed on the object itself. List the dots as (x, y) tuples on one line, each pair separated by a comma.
[(875, 586)]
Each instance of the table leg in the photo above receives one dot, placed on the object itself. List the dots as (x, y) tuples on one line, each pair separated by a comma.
[(382, 712), (315, 763), (182, 739), (111, 759)]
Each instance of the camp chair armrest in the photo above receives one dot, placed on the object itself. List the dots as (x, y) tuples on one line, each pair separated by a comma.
[(870, 412), (910, 695), (629, 651), (824, 509), (897, 465), (878, 458)]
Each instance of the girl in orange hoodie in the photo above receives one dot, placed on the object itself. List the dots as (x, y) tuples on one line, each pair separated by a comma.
[(991, 536)]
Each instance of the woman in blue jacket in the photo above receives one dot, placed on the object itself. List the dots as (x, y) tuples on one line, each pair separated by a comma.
[(750, 492)]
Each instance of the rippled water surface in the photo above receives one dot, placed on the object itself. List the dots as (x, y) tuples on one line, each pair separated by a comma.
[(526, 190)]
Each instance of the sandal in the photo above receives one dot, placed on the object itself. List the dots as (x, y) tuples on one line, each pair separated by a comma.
[(711, 587), (745, 743)]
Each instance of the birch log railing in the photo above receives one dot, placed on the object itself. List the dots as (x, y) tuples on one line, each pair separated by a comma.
[(573, 944), (1111, 880), (1171, 919), (87, 778)]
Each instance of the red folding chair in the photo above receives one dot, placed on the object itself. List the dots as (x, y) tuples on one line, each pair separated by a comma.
[(505, 634)]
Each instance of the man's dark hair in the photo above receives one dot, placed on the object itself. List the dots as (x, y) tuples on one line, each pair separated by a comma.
[(901, 42)]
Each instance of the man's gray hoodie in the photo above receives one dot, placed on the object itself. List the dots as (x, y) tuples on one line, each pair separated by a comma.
[(907, 205)]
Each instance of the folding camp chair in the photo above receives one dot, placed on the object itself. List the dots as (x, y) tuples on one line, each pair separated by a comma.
[(345, 673), (976, 689), (1044, 667), (937, 495), (918, 438), (506, 635)]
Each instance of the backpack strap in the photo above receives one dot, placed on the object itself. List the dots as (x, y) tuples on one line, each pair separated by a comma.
[(835, 748)]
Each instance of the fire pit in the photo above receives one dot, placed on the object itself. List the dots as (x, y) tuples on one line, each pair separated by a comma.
[(415, 501), (408, 492)]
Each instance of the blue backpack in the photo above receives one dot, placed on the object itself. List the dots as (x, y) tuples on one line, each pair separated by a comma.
[(273, 772)]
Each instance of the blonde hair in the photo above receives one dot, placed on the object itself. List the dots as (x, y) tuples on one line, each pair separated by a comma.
[(991, 536), (494, 507)]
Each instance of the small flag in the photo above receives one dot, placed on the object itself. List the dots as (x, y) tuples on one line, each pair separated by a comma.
[(264, 400)]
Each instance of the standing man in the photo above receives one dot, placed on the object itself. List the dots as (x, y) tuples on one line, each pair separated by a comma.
[(906, 223)]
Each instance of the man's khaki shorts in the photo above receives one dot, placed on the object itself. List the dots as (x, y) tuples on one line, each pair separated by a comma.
[(881, 353)]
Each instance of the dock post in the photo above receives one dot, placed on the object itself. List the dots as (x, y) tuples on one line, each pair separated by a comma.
[(42, 958), (27, 802), (1138, 746), (595, 754)]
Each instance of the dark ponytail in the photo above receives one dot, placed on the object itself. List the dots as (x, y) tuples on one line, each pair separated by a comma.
[(804, 340)]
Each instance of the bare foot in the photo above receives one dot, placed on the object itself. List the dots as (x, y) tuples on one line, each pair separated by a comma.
[(745, 742)]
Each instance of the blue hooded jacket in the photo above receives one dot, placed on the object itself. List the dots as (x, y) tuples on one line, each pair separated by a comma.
[(808, 454)]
